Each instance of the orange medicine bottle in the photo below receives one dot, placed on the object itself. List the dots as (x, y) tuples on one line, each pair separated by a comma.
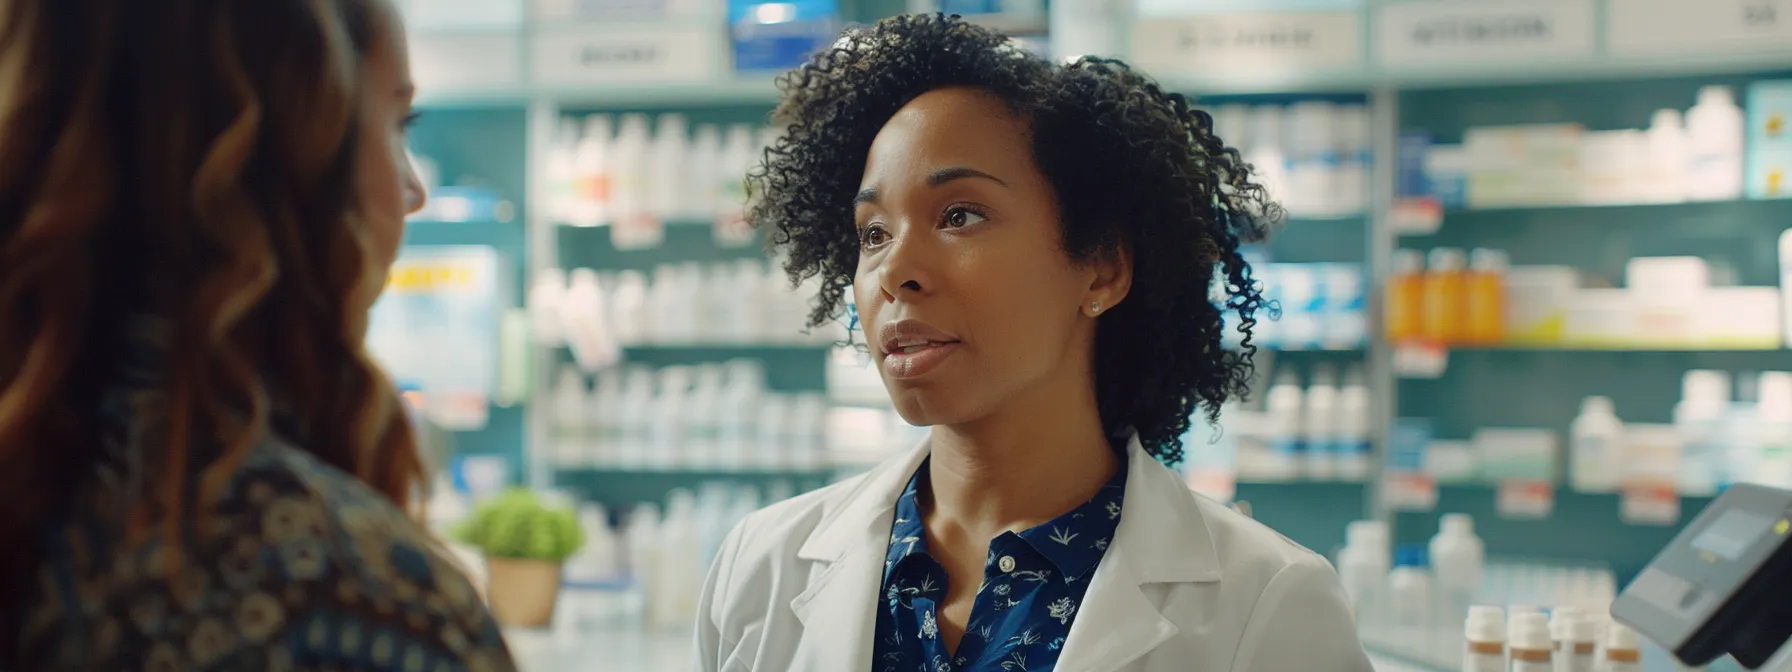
[(1486, 297), (1445, 305), (1405, 308)]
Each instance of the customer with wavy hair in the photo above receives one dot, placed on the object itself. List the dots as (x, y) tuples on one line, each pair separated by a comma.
[(200, 466)]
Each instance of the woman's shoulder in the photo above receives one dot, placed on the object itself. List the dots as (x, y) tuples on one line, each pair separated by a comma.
[(297, 566)]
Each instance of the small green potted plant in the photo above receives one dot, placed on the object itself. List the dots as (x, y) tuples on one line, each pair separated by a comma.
[(525, 542)]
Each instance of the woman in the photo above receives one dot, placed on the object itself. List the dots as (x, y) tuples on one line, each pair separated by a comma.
[(200, 468), (1030, 249)]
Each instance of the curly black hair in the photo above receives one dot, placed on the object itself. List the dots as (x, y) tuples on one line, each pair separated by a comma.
[(1131, 164)]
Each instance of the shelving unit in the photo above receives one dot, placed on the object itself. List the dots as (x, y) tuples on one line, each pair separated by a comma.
[(498, 130)]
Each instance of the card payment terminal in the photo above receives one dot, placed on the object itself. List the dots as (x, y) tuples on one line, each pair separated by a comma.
[(1724, 585)]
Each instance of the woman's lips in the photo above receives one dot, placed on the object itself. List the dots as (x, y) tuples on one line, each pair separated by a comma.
[(917, 360)]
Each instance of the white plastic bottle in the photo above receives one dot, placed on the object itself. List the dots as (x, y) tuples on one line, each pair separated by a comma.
[(1363, 566), (1576, 640), (1283, 417), (667, 167), (1459, 561), (701, 415), (698, 192), (1699, 420), (1666, 171), (545, 297), (634, 419), (1772, 444), (1267, 154), (1354, 159), (737, 419), (605, 419), (1530, 647), (1595, 447), (592, 192), (570, 426), (1312, 159), (1785, 248), (628, 308), (1714, 129), (731, 190), (1621, 652), (585, 319), (634, 226), (1353, 441), (667, 428), (1410, 596), (1484, 648), (1318, 426), (561, 171)]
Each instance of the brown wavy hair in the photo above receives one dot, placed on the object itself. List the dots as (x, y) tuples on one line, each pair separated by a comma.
[(194, 161)]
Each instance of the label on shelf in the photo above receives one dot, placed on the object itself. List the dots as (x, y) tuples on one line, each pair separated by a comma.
[(625, 53), (1425, 34), (1410, 491), (1649, 504), (1255, 42), (467, 61), (1659, 27), (1525, 498), (1420, 360)]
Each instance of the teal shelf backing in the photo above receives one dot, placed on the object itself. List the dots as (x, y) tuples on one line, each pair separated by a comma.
[(621, 490), (1544, 388), (1311, 514), (1582, 527), (788, 369)]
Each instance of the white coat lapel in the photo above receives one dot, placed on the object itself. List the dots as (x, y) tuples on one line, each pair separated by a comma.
[(838, 610), (1161, 539)]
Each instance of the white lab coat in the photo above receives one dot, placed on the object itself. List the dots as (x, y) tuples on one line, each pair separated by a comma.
[(1188, 584)]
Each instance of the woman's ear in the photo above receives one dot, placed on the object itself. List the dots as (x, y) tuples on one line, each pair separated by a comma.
[(1111, 281)]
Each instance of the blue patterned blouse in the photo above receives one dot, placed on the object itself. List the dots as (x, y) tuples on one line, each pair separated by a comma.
[(299, 567), (1032, 584)]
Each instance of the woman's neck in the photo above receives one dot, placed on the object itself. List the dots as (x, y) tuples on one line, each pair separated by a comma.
[(1015, 473)]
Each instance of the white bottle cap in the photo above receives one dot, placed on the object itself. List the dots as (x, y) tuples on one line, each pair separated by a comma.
[(1489, 260), (1531, 632), (1716, 95), (1597, 405), (1408, 261), (1448, 259), (1561, 619), (1460, 524), (1486, 624), (1705, 385), (1366, 533), (1584, 630), (1619, 638), (1666, 119)]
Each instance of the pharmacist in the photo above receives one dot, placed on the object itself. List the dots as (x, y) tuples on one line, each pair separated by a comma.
[(1030, 247)]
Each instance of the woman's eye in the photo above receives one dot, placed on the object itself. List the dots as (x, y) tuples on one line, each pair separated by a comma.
[(874, 236), (960, 217)]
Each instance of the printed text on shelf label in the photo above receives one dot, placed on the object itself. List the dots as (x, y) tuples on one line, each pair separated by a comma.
[(624, 53), (1423, 34), (1306, 40)]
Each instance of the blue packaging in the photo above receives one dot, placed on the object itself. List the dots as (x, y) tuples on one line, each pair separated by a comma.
[(1406, 444), (780, 35), (1411, 181)]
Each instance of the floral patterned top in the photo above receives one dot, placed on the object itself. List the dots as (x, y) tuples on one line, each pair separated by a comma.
[(1032, 584), (300, 567)]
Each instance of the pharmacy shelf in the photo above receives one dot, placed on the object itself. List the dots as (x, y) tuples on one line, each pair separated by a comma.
[(792, 369), (1691, 208), (618, 490), (1582, 527)]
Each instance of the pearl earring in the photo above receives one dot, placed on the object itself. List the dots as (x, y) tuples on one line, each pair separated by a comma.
[(1095, 307)]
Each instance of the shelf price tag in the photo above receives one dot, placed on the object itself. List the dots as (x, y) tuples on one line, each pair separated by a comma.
[(1256, 42), (1675, 27), (1410, 491), (1450, 32), (1649, 503), (626, 53), (1420, 360), (1524, 498)]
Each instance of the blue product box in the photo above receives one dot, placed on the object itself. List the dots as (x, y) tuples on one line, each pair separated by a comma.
[(1411, 181), (781, 35)]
